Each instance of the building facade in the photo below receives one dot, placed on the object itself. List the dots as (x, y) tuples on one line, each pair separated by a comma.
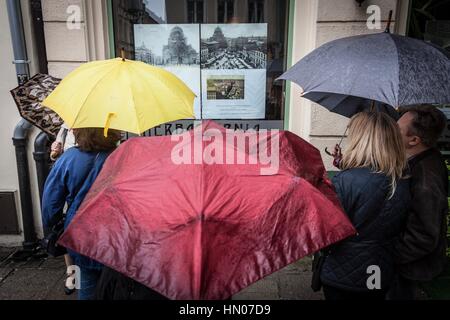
[(177, 50), (78, 31), (145, 55)]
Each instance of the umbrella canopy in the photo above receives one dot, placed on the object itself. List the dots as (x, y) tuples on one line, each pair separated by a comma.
[(121, 94), (342, 75), (28, 98), (206, 231)]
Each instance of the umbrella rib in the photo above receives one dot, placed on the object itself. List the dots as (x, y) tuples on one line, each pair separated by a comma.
[(134, 103), (202, 217), (396, 92), (92, 90), (151, 92), (161, 82)]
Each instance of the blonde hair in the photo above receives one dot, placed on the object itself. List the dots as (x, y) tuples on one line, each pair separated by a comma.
[(375, 142)]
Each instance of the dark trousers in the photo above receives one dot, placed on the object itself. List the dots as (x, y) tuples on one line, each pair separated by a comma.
[(113, 285), (88, 283), (402, 289), (333, 293)]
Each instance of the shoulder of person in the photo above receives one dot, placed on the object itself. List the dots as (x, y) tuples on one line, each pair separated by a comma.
[(67, 156), (432, 162), (75, 157), (430, 171), (361, 179), (430, 159), (73, 152), (360, 175)]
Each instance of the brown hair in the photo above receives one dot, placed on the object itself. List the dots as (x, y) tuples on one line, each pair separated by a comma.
[(93, 139), (375, 142), (428, 123)]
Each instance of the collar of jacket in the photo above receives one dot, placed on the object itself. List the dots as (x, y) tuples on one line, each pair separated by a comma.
[(420, 156)]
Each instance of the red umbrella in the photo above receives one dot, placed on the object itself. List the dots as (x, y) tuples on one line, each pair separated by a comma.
[(206, 231)]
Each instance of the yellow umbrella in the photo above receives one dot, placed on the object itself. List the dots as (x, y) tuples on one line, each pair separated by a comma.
[(121, 94)]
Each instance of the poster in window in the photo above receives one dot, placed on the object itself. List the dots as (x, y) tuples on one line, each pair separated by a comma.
[(175, 48), (223, 64), (233, 70)]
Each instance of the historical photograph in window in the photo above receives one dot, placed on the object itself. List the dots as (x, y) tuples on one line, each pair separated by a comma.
[(163, 45), (225, 87), (234, 46), (173, 47)]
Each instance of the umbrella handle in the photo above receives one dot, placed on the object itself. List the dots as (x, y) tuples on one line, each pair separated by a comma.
[(122, 54), (107, 124), (343, 136), (339, 144), (388, 27)]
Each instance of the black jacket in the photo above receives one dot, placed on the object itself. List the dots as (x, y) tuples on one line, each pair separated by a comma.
[(378, 219), (421, 249)]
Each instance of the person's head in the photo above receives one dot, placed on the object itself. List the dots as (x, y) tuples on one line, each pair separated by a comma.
[(421, 126), (375, 142), (93, 139)]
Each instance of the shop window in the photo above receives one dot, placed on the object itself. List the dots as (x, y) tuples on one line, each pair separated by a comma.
[(228, 52)]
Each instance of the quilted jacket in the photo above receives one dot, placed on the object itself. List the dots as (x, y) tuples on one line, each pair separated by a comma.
[(378, 218)]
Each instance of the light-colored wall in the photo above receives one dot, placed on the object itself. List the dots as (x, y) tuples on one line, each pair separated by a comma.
[(68, 48), (318, 22), (10, 117), (8, 112)]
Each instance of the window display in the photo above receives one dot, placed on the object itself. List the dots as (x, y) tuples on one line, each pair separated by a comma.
[(229, 52)]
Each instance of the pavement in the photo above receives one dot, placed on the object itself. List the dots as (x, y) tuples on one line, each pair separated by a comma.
[(43, 279), (33, 279)]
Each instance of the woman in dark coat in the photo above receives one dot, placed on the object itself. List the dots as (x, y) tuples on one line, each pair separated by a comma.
[(374, 193)]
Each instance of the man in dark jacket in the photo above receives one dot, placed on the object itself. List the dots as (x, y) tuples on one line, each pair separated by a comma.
[(421, 250)]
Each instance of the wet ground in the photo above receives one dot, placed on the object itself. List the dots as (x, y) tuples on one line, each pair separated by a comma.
[(43, 279)]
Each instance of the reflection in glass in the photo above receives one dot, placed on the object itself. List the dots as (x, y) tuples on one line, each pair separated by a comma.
[(195, 11), (225, 11)]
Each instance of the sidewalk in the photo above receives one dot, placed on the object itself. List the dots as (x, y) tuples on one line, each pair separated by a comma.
[(43, 279), (35, 279)]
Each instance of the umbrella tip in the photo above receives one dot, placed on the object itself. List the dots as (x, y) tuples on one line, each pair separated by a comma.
[(122, 53)]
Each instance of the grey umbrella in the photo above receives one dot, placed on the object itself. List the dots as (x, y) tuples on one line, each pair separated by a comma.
[(346, 75)]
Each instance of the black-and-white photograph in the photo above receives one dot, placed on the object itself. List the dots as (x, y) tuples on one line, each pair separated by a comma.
[(173, 47), (167, 45), (234, 46), (226, 87)]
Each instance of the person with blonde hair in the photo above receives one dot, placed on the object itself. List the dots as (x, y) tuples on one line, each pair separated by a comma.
[(374, 193)]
